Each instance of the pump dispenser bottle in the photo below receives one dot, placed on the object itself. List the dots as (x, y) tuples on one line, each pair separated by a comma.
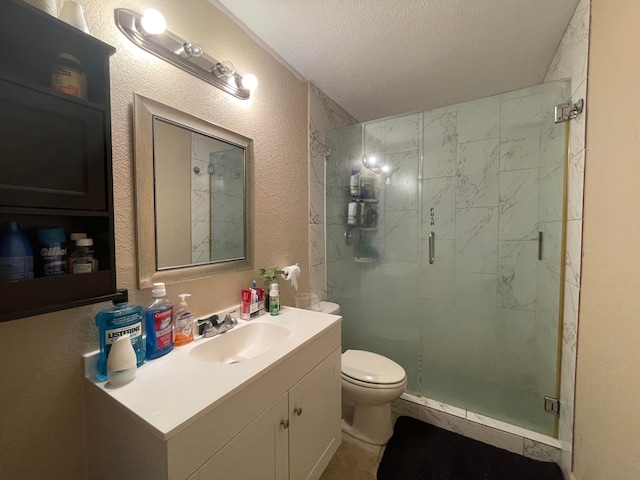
[(183, 322), (159, 323)]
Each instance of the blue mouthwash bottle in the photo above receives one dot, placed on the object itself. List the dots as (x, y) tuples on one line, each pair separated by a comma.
[(121, 319), (159, 323)]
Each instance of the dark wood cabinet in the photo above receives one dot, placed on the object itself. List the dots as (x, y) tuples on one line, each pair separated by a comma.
[(55, 155)]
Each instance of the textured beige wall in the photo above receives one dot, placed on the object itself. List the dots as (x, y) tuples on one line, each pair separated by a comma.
[(607, 420), (41, 399)]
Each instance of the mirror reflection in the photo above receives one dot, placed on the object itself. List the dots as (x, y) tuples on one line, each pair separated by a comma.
[(193, 196), (204, 177)]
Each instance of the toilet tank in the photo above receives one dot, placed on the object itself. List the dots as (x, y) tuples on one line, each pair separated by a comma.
[(330, 307)]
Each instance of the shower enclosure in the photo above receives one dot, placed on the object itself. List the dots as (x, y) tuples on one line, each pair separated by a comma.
[(457, 274)]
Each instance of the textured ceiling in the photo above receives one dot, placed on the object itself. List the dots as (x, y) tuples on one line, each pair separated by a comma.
[(378, 58)]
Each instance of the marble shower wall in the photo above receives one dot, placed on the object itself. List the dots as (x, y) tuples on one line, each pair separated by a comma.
[(227, 203), (216, 198), (570, 61), (201, 148), (326, 115)]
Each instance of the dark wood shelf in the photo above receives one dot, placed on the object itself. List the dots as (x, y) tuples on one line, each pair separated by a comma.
[(50, 91), (53, 212), (56, 156), (49, 294)]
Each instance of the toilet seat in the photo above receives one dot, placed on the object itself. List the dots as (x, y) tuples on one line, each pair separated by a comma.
[(371, 370), (373, 386)]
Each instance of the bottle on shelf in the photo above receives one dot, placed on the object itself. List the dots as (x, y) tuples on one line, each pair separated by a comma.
[(354, 184), (352, 213), (84, 262), (16, 256), (53, 251), (66, 76)]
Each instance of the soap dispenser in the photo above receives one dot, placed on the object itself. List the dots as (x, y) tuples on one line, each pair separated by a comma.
[(183, 322)]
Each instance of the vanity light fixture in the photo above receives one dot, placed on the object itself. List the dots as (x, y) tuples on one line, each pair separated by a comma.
[(149, 32)]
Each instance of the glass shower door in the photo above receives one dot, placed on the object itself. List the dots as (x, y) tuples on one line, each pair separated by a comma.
[(376, 278), (478, 327), (493, 196)]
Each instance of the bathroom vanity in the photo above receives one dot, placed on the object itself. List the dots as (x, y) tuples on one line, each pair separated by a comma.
[(261, 401)]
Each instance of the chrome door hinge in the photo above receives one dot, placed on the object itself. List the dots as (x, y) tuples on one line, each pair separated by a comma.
[(568, 111), (552, 405)]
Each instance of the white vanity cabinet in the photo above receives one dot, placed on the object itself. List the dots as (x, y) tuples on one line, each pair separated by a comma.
[(277, 416), (293, 439)]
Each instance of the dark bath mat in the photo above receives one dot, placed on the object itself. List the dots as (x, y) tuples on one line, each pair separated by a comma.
[(419, 451)]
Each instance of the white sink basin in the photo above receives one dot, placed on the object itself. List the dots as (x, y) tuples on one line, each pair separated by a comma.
[(240, 344)]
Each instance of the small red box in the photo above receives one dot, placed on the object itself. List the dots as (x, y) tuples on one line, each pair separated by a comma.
[(252, 303)]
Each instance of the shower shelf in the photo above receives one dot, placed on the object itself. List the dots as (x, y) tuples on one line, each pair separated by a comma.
[(365, 229), (365, 259)]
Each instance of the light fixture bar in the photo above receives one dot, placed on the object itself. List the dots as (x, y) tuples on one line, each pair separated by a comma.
[(171, 48)]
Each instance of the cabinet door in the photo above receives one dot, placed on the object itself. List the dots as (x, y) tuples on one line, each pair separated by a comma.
[(315, 419), (52, 151), (259, 452)]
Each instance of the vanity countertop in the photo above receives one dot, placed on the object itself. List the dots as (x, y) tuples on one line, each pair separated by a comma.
[(175, 390)]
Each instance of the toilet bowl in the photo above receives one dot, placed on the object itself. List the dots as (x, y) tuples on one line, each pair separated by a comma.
[(370, 382)]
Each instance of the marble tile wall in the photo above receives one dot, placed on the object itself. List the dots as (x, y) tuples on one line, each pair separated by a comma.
[(227, 204), (326, 115), (570, 61), (200, 194), (217, 235)]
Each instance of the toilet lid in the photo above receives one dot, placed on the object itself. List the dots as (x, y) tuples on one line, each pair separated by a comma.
[(371, 367)]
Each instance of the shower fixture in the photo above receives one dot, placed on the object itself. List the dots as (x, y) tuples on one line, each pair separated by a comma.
[(372, 164)]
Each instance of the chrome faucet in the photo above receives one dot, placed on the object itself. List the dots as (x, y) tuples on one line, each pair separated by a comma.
[(212, 326)]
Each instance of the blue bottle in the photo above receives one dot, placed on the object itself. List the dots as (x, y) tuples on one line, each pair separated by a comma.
[(159, 323), (16, 256), (53, 251), (121, 319)]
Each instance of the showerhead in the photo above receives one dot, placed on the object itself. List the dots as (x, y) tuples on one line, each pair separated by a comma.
[(371, 164)]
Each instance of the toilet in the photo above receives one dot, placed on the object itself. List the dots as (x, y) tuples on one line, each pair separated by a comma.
[(370, 382)]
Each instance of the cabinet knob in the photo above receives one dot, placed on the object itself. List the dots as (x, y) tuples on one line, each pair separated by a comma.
[(298, 411), (284, 423)]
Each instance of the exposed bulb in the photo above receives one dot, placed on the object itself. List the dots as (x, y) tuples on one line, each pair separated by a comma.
[(372, 160), (153, 22), (250, 81), (192, 49), (224, 69), (386, 168)]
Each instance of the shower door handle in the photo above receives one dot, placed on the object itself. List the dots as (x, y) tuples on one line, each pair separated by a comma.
[(432, 247), (540, 238)]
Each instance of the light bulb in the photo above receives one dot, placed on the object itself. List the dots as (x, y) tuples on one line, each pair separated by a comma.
[(223, 69), (386, 168), (153, 22), (372, 160), (192, 49), (250, 81)]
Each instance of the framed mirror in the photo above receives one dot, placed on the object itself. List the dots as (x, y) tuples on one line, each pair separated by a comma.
[(193, 196)]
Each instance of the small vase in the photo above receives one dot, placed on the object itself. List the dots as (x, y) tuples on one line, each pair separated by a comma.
[(73, 14)]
